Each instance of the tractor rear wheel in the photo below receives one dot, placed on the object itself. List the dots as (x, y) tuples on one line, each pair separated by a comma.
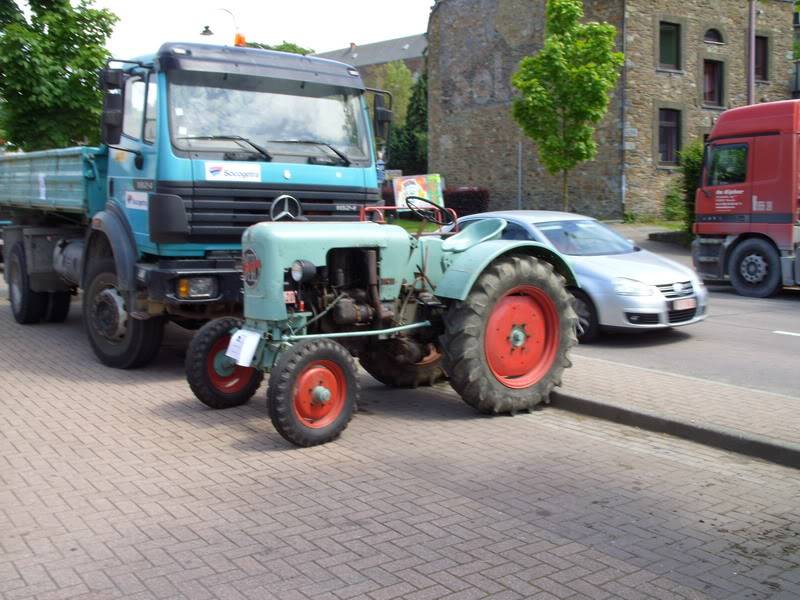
[(313, 392), (380, 361), (506, 344), (216, 380)]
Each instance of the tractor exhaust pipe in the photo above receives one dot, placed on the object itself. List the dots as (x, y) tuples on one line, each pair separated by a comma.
[(372, 287)]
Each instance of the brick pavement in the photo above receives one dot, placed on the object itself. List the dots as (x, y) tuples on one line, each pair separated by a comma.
[(119, 484), (685, 398)]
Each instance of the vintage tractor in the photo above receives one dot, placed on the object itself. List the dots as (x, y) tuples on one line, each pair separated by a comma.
[(493, 315)]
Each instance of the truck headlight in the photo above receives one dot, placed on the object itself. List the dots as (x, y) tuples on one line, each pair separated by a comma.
[(197, 287), (302, 271), (630, 287)]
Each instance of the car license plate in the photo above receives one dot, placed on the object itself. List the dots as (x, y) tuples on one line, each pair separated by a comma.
[(684, 304)]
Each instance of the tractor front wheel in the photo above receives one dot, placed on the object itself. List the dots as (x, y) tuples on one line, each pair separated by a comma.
[(506, 344), (216, 380), (313, 392)]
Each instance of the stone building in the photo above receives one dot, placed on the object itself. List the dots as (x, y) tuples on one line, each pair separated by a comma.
[(685, 62)]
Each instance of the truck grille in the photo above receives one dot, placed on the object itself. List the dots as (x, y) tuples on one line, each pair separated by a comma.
[(680, 316), (668, 290)]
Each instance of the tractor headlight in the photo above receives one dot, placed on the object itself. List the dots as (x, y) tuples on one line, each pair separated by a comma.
[(303, 270), (631, 287)]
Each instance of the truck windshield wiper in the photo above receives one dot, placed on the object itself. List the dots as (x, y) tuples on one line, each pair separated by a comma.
[(260, 149), (345, 160)]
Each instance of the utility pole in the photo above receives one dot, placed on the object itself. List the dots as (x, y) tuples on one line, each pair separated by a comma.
[(751, 55)]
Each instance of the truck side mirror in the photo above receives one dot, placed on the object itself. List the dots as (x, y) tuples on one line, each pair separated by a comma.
[(112, 79), (113, 105), (383, 118)]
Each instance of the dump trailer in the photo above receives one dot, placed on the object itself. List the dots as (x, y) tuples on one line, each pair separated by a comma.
[(198, 143)]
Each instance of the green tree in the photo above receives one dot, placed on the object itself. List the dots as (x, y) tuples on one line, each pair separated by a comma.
[(284, 46), (48, 72), (408, 146), (394, 77), (564, 88), (690, 162)]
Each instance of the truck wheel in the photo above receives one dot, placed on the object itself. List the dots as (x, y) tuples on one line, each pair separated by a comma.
[(506, 344), (313, 392), (216, 380), (117, 340), (588, 324), (26, 305), (755, 269), (57, 309), (382, 363)]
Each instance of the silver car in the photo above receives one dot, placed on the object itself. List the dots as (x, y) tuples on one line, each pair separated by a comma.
[(621, 285)]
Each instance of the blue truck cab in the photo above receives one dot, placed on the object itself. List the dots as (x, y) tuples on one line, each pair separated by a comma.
[(199, 143)]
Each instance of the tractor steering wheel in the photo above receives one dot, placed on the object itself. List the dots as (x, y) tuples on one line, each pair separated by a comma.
[(428, 214)]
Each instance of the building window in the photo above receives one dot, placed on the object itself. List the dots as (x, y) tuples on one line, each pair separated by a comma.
[(762, 58), (669, 44), (669, 135), (712, 83), (727, 164), (713, 36)]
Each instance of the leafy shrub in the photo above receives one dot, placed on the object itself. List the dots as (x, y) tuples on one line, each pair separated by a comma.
[(674, 202), (690, 161), (467, 200)]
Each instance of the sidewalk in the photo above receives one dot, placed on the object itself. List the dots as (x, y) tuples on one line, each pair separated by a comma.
[(752, 422)]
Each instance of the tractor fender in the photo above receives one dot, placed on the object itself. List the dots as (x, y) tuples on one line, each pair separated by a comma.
[(111, 224), (462, 273)]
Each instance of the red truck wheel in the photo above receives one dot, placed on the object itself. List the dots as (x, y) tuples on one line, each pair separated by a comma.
[(313, 392), (506, 344), (215, 379)]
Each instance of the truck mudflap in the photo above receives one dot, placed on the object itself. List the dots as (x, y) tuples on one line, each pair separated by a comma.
[(195, 286), (708, 257)]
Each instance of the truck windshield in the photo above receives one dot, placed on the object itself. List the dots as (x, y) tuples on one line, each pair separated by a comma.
[(294, 121)]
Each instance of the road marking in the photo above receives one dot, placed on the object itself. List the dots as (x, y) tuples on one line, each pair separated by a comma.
[(787, 333)]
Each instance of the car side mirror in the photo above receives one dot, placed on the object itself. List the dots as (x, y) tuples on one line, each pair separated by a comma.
[(111, 126), (112, 79)]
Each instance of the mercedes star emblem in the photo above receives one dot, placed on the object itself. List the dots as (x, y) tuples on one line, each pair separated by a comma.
[(285, 208)]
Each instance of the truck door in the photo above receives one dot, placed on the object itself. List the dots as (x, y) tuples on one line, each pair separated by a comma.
[(727, 193), (131, 172)]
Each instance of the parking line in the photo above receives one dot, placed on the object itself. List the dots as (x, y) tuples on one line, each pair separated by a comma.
[(787, 333)]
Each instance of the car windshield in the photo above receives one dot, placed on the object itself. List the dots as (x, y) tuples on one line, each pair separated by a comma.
[(303, 122), (584, 238)]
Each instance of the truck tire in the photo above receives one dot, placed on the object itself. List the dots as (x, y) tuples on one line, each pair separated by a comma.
[(118, 340), (518, 304), (755, 269), (588, 323), (26, 305), (379, 361), (57, 309), (313, 392), (216, 381)]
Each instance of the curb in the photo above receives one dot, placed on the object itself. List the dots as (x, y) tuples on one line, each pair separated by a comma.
[(725, 438)]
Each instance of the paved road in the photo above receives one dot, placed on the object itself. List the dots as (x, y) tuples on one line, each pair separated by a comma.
[(735, 344), (119, 484)]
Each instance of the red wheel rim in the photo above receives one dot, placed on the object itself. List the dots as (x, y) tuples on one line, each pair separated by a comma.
[(224, 374), (320, 393), (522, 336)]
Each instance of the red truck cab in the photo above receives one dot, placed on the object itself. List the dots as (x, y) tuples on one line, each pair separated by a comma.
[(747, 223)]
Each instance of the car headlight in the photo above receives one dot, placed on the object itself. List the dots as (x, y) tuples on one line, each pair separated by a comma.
[(631, 287)]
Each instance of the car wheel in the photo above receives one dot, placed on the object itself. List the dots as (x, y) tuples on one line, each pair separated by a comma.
[(588, 324)]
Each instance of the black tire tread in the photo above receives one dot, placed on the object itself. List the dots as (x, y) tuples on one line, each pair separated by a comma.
[(465, 322), (767, 288), (33, 304), (197, 376), (383, 365), (58, 304), (281, 389)]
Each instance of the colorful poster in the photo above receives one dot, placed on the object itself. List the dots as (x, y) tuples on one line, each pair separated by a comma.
[(424, 186)]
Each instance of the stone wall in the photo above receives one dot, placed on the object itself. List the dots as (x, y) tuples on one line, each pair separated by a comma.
[(474, 48), (649, 87)]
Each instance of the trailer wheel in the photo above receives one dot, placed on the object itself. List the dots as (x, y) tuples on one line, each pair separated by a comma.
[(26, 305), (57, 309), (214, 378), (755, 269), (506, 344), (313, 392), (117, 339), (382, 363)]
